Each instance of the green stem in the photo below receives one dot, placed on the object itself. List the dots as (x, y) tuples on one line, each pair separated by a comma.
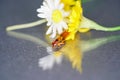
[(113, 29), (87, 23), (27, 25)]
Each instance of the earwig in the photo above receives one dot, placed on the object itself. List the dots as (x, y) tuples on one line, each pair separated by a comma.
[(58, 43)]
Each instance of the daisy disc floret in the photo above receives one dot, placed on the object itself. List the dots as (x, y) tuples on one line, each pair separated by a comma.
[(53, 12)]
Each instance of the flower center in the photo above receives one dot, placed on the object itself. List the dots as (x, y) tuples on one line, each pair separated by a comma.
[(56, 16)]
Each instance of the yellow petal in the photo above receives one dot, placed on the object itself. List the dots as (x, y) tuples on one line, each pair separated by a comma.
[(83, 30)]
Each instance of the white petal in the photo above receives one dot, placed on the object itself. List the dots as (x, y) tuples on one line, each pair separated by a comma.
[(53, 33), (41, 15), (65, 14), (59, 29), (45, 4), (50, 4), (65, 26), (49, 30), (49, 23), (39, 9), (56, 3), (61, 6)]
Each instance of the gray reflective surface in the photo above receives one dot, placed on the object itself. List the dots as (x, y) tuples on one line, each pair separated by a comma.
[(19, 57)]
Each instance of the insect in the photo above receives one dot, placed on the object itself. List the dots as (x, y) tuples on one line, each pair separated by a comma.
[(60, 41)]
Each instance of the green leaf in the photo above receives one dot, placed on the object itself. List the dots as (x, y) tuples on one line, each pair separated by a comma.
[(87, 23)]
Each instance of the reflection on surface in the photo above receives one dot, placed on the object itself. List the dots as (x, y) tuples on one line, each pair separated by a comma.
[(48, 62), (27, 37), (88, 45), (73, 49)]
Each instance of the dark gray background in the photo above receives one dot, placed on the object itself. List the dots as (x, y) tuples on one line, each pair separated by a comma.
[(19, 58)]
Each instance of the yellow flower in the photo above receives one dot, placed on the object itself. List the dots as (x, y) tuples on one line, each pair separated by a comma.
[(68, 4), (75, 19)]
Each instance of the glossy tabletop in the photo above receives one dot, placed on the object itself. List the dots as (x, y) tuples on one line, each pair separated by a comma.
[(21, 50)]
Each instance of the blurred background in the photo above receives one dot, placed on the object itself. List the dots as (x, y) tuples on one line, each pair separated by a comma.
[(19, 57)]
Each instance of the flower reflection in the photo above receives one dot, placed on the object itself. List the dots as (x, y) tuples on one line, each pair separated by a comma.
[(72, 53), (47, 62), (73, 49)]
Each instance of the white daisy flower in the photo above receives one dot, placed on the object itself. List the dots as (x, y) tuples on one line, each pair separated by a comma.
[(53, 12)]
